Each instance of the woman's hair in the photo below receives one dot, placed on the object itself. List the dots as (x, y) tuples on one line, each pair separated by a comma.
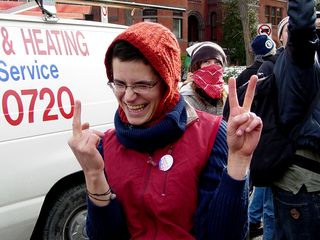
[(127, 52), (196, 66)]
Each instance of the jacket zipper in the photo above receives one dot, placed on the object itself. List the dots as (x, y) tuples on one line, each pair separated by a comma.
[(151, 164)]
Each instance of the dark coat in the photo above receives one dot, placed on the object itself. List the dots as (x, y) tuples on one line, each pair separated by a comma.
[(266, 67), (297, 76), (245, 75), (262, 66)]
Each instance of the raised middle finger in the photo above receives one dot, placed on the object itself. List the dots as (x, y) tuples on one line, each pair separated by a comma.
[(76, 122)]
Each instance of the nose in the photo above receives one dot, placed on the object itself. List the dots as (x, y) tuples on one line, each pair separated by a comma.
[(129, 94)]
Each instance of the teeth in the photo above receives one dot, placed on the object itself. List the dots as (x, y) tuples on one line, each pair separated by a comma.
[(135, 107)]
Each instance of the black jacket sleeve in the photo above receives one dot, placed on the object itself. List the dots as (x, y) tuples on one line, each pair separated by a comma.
[(106, 222), (296, 71)]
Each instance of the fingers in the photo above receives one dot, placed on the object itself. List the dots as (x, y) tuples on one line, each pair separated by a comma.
[(85, 126), (255, 125), (76, 123), (98, 133), (247, 122), (233, 99), (240, 123), (250, 93), (93, 140)]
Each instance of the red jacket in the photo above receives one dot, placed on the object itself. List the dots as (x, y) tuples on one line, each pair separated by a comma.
[(161, 204)]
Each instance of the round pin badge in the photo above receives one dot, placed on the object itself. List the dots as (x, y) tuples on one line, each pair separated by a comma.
[(166, 162)]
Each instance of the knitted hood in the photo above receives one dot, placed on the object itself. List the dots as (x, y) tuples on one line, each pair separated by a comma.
[(160, 47)]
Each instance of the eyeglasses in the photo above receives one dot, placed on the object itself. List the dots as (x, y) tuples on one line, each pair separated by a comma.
[(139, 88)]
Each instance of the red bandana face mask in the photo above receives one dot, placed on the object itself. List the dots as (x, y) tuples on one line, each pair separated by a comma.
[(210, 79)]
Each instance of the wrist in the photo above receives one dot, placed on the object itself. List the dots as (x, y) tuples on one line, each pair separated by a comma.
[(102, 197), (238, 167), (237, 174), (95, 177)]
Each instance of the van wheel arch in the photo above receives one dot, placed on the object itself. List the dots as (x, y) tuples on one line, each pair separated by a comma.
[(63, 211)]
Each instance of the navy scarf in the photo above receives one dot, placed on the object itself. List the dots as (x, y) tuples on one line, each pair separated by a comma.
[(159, 135)]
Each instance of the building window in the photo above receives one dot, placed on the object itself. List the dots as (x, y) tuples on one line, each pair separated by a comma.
[(149, 15), (213, 24), (273, 15), (279, 15), (177, 24), (267, 14)]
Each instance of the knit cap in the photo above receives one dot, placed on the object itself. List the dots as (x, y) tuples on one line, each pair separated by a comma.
[(281, 25), (263, 45), (160, 47), (204, 51)]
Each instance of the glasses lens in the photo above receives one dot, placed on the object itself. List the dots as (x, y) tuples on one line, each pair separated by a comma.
[(117, 87), (141, 88), (111, 85), (137, 88)]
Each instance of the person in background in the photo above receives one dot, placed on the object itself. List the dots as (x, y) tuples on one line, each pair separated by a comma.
[(266, 67), (265, 52), (167, 170), (256, 213), (297, 76), (205, 89), (261, 205), (261, 208), (263, 48), (282, 32)]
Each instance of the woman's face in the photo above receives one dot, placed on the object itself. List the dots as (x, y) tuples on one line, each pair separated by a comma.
[(139, 90), (210, 62)]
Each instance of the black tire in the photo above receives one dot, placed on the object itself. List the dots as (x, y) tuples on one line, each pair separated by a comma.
[(66, 218)]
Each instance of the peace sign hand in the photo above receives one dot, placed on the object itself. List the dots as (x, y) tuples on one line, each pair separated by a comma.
[(244, 130), (83, 143)]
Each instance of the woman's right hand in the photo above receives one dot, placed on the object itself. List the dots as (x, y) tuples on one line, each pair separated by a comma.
[(84, 144)]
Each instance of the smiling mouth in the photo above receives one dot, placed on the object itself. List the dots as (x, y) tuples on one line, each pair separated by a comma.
[(136, 108)]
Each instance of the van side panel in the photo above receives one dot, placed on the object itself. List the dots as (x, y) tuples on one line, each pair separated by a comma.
[(44, 68)]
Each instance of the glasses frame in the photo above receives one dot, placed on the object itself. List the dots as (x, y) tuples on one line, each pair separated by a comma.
[(133, 87)]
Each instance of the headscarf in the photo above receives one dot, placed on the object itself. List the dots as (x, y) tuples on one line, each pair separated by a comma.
[(210, 79), (161, 49)]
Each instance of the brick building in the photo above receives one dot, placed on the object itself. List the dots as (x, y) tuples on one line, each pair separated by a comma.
[(272, 11), (200, 20)]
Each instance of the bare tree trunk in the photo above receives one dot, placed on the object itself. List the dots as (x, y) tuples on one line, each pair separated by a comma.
[(243, 6)]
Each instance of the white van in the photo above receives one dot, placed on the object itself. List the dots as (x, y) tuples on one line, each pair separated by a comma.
[(44, 67)]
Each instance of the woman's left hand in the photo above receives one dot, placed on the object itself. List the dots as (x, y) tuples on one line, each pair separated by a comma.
[(244, 130)]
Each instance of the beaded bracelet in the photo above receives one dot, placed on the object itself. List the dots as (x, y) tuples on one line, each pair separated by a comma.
[(95, 195)]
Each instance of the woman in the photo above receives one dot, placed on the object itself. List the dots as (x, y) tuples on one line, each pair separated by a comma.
[(162, 177), (205, 89)]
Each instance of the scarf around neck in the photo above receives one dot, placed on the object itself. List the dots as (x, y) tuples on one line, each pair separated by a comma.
[(168, 130)]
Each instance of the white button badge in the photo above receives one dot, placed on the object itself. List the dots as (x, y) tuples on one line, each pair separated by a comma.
[(166, 162)]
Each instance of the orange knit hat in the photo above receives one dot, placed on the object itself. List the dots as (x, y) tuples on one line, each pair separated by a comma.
[(160, 47)]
